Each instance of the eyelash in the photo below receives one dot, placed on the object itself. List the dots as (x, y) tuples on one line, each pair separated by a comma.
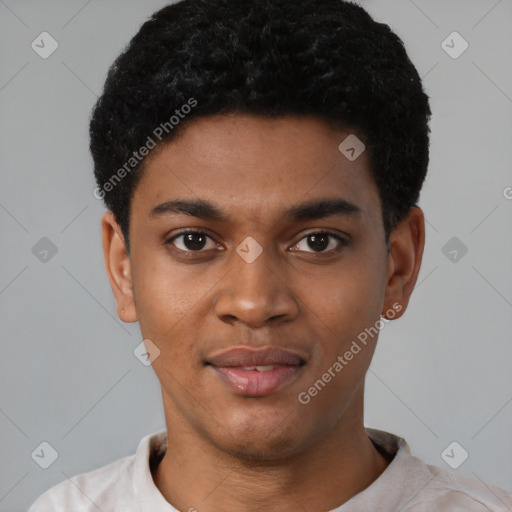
[(342, 241)]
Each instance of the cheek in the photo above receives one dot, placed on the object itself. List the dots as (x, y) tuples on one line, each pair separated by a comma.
[(345, 300), (164, 293), (169, 301)]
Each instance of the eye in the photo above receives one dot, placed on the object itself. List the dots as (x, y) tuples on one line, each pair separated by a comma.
[(319, 241), (192, 241)]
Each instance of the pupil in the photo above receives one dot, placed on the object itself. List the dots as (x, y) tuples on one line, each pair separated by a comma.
[(319, 242), (194, 241)]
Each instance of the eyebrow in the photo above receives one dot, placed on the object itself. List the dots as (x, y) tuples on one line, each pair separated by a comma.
[(311, 210)]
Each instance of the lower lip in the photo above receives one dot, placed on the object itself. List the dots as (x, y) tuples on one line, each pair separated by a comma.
[(253, 383)]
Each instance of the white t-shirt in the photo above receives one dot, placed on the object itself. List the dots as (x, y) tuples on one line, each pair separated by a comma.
[(406, 485)]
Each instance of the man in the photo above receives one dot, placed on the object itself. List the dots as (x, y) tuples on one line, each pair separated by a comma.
[(261, 163)]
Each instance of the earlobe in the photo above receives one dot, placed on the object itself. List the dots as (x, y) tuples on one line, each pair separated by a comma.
[(118, 267), (407, 242)]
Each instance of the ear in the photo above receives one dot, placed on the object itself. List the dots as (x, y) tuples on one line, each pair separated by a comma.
[(117, 264), (406, 244)]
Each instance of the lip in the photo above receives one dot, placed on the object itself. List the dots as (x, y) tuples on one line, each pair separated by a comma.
[(246, 356), (236, 369)]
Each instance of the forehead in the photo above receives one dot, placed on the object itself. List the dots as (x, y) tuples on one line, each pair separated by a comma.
[(256, 166)]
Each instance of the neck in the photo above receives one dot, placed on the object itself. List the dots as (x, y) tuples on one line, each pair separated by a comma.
[(193, 475)]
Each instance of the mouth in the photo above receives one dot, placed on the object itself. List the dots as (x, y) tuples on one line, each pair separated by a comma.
[(256, 373)]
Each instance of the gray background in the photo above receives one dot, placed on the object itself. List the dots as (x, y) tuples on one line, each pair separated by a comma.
[(68, 375)]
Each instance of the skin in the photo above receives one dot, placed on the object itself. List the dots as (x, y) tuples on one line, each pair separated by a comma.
[(236, 453)]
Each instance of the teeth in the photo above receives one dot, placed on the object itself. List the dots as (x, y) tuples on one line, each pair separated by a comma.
[(259, 368), (265, 368)]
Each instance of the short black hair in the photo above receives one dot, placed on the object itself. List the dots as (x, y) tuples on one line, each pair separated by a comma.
[(323, 58)]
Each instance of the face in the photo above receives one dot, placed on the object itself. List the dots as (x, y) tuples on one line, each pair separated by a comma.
[(257, 258)]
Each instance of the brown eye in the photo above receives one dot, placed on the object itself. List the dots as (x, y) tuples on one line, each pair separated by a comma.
[(192, 241), (320, 241)]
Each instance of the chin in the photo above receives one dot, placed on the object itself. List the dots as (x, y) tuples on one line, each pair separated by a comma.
[(264, 442)]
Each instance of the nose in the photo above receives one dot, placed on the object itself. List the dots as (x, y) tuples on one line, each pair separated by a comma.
[(256, 293)]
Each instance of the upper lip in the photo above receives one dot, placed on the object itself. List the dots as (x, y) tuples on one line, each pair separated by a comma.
[(246, 356)]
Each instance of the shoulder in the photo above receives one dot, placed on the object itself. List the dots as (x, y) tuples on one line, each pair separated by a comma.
[(111, 488), (88, 490), (446, 490), (411, 485)]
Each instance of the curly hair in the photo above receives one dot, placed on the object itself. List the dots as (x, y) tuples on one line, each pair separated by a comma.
[(324, 58)]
